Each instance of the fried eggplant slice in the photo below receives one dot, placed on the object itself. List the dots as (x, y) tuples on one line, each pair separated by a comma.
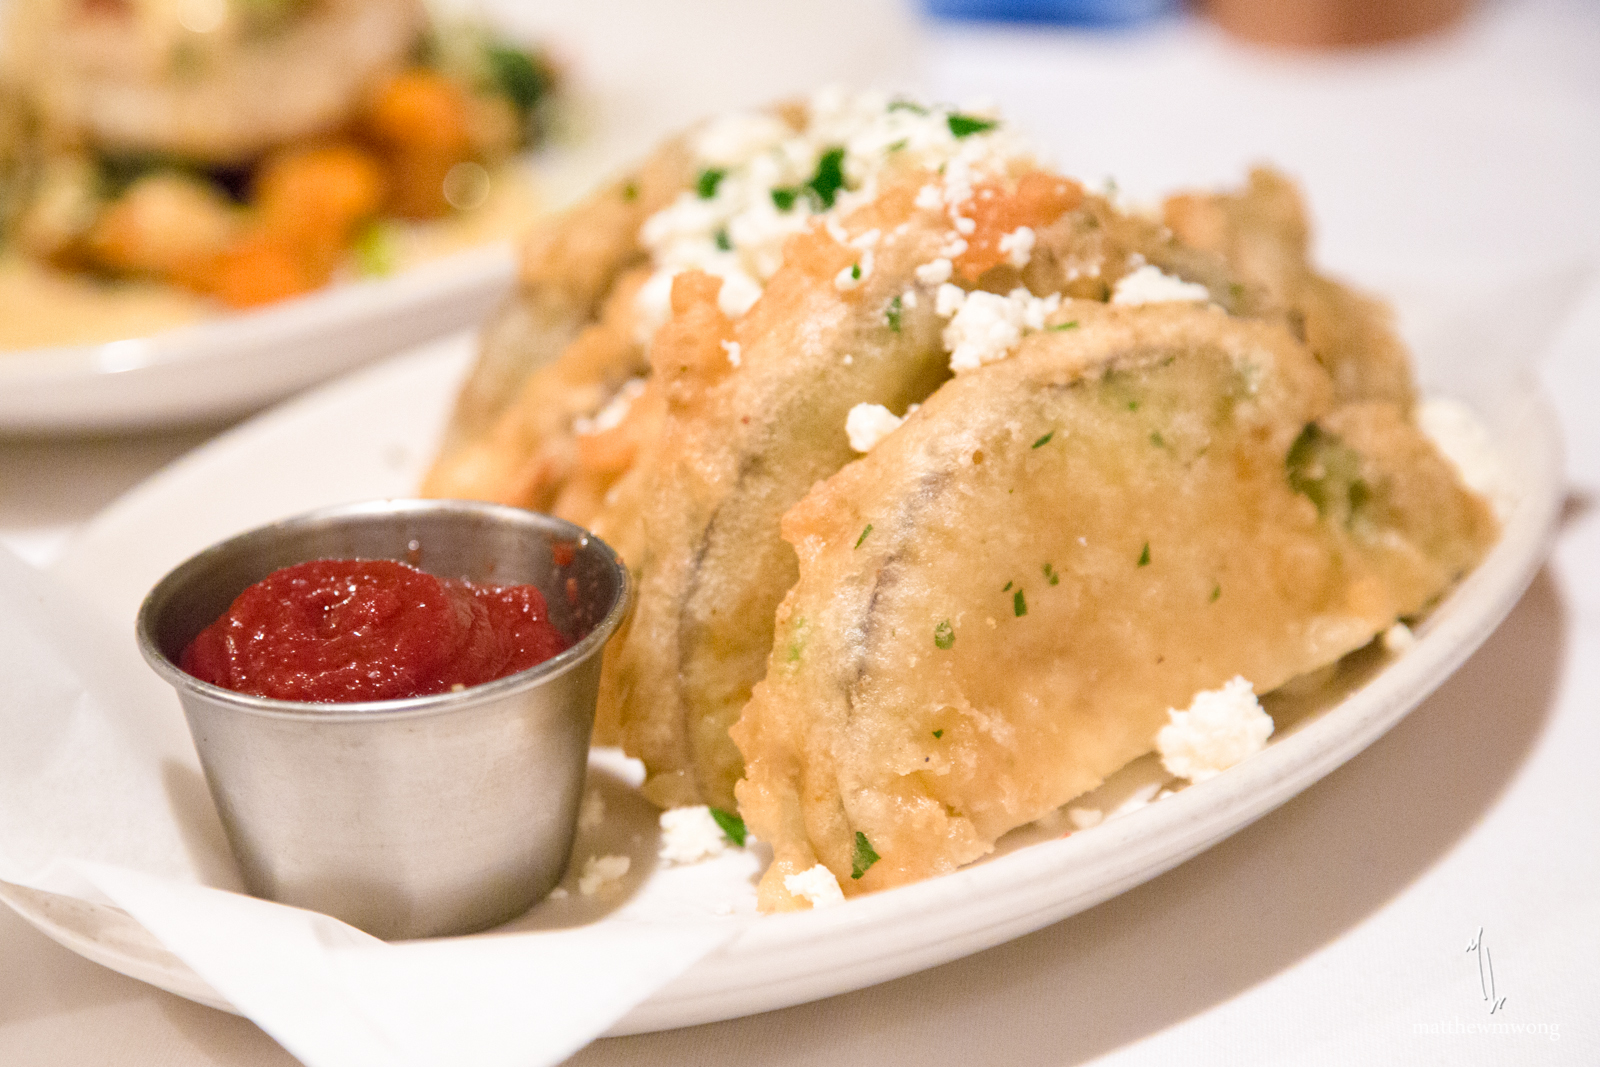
[(572, 267), (998, 604), (739, 445), (1262, 233)]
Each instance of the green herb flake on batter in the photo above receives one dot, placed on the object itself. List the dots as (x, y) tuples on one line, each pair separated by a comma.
[(862, 857), (732, 826)]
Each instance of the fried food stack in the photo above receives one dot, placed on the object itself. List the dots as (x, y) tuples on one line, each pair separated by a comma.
[(1138, 457)]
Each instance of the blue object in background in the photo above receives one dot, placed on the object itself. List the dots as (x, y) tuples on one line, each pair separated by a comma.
[(1065, 12)]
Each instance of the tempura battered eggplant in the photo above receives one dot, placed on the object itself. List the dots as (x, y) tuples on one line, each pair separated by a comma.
[(997, 605), (570, 296), (1262, 232), (738, 447), (993, 609)]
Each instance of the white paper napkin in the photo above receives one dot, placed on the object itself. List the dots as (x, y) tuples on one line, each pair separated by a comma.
[(336, 997), (101, 799)]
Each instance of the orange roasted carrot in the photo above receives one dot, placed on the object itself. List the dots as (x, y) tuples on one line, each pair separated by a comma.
[(421, 121)]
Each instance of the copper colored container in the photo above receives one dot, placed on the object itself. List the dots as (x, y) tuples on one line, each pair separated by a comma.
[(1332, 23)]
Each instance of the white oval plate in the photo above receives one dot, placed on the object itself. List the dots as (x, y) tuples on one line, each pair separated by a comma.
[(228, 366), (372, 435)]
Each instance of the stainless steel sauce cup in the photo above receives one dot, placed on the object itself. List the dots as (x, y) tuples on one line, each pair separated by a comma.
[(422, 817)]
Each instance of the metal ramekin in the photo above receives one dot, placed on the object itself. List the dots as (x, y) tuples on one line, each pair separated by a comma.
[(422, 817)]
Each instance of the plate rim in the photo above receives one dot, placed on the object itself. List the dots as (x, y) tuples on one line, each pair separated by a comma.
[(233, 363)]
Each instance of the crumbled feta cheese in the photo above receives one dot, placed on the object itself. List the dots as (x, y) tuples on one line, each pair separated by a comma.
[(947, 300), (954, 249), (867, 424), (1139, 798), (558, 893), (1459, 434), (935, 273), (1148, 285), (689, 835), (1399, 638), (986, 327), (964, 226), (602, 873), (869, 239), (738, 232), (855, 274), (736, 139), (1083, 818), (738, 293), (732, 348), (615, 410), (818, 885), (1018, 246), (1220, 728), (908, 299), (653, 305), (592, 812)]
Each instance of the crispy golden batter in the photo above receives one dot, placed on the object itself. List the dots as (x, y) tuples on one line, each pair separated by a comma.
[(993, 609), (738, 446), (997, 605), (1262, 232), (573, 267)]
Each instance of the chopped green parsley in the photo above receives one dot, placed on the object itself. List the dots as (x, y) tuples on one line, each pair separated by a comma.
[(630, 191), (862, 857), (732, 826), (1041, 442), (1019, 604), (1144, 557), (938, 734), (829, 178), (1051, 575), (1157, 440), (967, 125), (908, 105), (709, 179), (1008, 586), (783, 199), (891, 314), (855, 272), (944, 635), (1216, 591), (1073, 325), (864, 533), (724, 243)]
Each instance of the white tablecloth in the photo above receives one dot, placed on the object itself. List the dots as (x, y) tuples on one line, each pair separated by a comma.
[(1335, 930)]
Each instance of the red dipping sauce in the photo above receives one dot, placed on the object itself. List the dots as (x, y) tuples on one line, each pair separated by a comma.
[(337, 631)]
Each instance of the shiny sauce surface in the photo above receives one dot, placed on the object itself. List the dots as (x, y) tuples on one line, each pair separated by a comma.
[(339, 631)]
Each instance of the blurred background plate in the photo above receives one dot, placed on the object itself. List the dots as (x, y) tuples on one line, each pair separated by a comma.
[(226, 367)]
